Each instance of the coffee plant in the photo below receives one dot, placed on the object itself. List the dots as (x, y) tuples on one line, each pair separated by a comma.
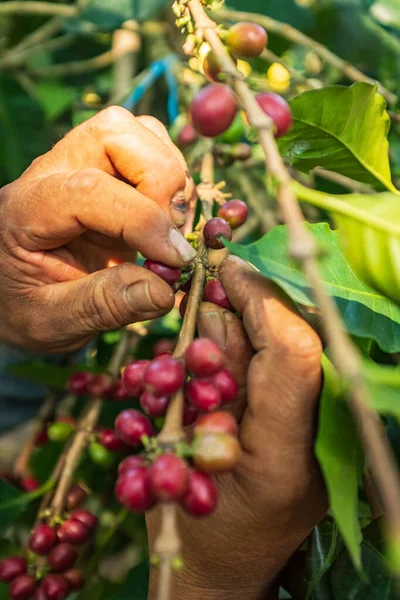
[(292, 137)]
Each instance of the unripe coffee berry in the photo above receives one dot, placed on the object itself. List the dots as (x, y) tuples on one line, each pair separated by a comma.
[(214, 231), (169, 274), (168, 477), (131, 425), (216, 452), (235, 212), (246, 40), (203, 357)]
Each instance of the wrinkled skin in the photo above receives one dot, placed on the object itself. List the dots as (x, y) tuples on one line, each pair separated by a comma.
[(275, 496), (113, 185)]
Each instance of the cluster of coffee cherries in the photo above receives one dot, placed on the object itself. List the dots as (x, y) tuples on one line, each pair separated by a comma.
[(49, 572)]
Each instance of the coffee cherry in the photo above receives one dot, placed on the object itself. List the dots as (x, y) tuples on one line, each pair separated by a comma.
[(187, 136), (163, 346), (42, 539), (216, 452), (203, 395), (39, 594), (29, 484), (170, 274), (183, 305), (78, 382), (12, 567), (131, 425), (214, 230), (100, 455), (190, 415), (22, 587), (86, 517), (75, 579), (129, 463), (241, 151), (55, 587), (226, 384), (41, 438), (119, 392), (201, 496), (154, 406), (278, 110), (235, 212), (213, 110), (73, 532), (211, 68), (110, 440), (215, 293), (60, 432), (133, 490), (217, 422), (133, 376), (62, 557), (101, 386), (76, 496), (164, 376), (246, 40), (168, 477), (203, 357)]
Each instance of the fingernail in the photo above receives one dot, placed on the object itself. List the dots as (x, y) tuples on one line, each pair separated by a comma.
[(212, 325), (241, 262), (184, 249), (139, 298)]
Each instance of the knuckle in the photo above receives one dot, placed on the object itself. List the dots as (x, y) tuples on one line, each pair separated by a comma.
[(300, 344), (101, 311), (112, 116), (84, 180), (153, 124)]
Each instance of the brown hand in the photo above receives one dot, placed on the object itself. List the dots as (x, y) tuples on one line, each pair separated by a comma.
[(114, 185)]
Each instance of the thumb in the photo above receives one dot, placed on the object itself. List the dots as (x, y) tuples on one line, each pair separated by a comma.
[(103, 301)]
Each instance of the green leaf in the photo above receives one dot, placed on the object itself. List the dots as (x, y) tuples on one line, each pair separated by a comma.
[(43, 373), (110, 15), (135, 586), (341, 459), (383, 383), (323, 547), (387, 12), (334, 128), (55, 98), (13, 502), (366, 313)]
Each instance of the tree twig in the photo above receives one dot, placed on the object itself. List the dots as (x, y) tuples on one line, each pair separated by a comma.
[(355, 186), (37, 8), (126, 43)]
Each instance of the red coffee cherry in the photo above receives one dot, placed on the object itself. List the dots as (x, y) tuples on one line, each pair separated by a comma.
[(190, 415), (168, 477), (133, 376), (203, 395), (203, 357), (101, 386), (110, 440), (129, 463), (214, 230), (42, 539), (183, 305), (12, 567), (187, 136), (235, 212), (119, 392), (154, 406), (226, 384), (29, 484), (216, 452), (246, 40), (201, 496), (76, 496), (86, 517), (164, 376), (217, 422), (78, 383), (73, 532), (278, 110), (133, 490), (41, 438), (39, 594), (170, 274), (75, 579), (62, 557), (163, 346), (211, 68), (55, 587), (22, 587), (215, 293), (213, 110), (131, 425)]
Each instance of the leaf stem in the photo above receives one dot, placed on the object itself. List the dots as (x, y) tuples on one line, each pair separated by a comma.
[(38, 8)]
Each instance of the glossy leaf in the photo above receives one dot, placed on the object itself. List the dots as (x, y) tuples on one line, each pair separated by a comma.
[(13, 502), (366, 313), (323, 547), (135, 585), (334, 128), (109, 15)]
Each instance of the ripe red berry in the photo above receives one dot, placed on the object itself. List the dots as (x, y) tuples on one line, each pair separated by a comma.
[(204, 357), (246, 40), (169, 274), (216, 452), (203, 395), (168, 477), (73, 532), (133, 376), (212, 69), (154, 406), (215, 292), (164, 376), (133, 490), (214, 230), (278, 110), (39, 594), (213, 109), (55, 587), (227, 385), (235, 212), (75, 579), (217, 422), (78, 382), (12, 567), (187, 136), (41, 438), (119, 392), (190, 415), (62, 557), (201, 496), (101, 386), (42, 539), (129, 463), (86, 517), (163, 346), (76, 496), (29, 484), (110, 440), (131, 425), (22, 587), (183, 305)]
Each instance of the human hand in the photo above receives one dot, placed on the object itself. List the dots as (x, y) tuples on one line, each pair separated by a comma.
[(275, 496), (113, 185)]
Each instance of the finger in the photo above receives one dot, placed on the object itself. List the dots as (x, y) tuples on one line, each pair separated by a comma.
[(75, 311), (58, 208)]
